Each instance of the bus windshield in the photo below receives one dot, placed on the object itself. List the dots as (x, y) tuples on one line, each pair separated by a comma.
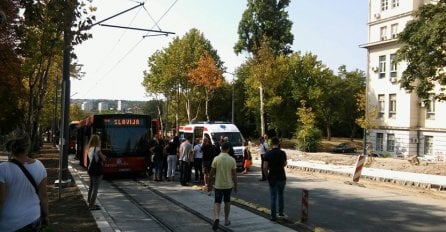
[(122, 140), (235, 138)]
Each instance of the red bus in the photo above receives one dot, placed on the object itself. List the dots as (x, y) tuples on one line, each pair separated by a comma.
[(72, 146), (124, 140)]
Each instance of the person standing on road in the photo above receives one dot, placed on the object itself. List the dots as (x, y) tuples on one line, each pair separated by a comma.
[(172, 157), (157, 151), (223, 171), (208, 156), (186, 157), (23, 204), (198, 161), (274, 169), (263, 148), (247, 158), (94, 152)]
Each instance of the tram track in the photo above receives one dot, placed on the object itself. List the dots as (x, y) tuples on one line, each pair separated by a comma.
[(161, 209)]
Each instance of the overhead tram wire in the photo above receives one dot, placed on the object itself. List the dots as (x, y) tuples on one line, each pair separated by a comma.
[(114, 66), (162, 16), (153, 20), (133, 48), (117, 42)]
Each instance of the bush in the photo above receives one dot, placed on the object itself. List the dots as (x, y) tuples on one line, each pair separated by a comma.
[(386, 155), (309, 142)]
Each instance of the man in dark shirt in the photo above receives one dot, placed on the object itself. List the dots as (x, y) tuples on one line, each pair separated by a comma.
[(208, 156), (274, 164)]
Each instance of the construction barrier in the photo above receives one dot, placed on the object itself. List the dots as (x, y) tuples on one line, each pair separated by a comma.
[(304, 213), (359, 164)]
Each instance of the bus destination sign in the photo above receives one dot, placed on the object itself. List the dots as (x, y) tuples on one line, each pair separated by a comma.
[(124, 121)]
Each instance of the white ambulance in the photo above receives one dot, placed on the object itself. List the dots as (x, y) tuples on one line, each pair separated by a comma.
[(216, 131)]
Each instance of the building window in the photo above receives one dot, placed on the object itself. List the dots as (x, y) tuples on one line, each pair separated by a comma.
[(394, 30), (395, 3), (381, 105), (393, 66), (383, 33), (382, 66), (391, 142), (379, 141), (428, 145), (392, 105), (384, 5), (430, 108)]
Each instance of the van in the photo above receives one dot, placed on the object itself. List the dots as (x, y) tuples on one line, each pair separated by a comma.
[(215, 131)]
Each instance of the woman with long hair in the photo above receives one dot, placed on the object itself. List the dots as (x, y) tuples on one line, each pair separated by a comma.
[(94, 152)]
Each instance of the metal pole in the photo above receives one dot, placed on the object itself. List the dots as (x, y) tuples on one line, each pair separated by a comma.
[(63, 159), (262, 123), (55, 123), (233, 99)]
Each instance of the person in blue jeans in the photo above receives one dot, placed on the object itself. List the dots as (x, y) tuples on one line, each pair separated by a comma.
[(274, 165), (157, 150)]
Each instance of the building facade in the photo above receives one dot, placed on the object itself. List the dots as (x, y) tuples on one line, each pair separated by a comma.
[(402, 125), (102, 106), (86, 106)]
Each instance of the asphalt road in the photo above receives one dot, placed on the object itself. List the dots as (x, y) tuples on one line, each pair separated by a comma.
[(335, 205)]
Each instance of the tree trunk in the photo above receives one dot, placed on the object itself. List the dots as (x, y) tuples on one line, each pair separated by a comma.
[(262, 119), (206, 106)]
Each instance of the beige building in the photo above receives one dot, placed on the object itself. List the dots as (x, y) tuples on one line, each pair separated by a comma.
[(402, 124)]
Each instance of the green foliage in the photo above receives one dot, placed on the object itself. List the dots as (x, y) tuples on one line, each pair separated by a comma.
[(32, 43), (265, 19), (76, 113), (11, 87), (423, 47), (386, 155), (308, 137), (168, 71), (309, 142)]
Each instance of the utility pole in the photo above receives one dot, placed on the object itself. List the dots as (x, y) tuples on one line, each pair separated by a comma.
[(55, 122), (233, 96), (233, 100), (64, 127)]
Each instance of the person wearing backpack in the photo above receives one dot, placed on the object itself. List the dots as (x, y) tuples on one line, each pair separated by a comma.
[(95, 173), (23, 191)]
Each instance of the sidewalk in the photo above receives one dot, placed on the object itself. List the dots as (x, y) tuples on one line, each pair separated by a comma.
[(110, 217)]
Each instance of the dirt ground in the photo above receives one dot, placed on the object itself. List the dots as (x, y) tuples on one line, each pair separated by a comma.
[(70, 213), (396, 164)]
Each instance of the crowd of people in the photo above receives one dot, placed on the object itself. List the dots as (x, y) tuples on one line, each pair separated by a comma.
[(169, 155), (214, 166)]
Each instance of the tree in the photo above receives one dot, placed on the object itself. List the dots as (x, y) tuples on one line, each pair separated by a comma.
[(11, 87), (307, 134), (169, 68), (76, 113), (208, 76), (39, 44), (265, 19), (424, 48), (352, 85), (267, 71), (264, 28)]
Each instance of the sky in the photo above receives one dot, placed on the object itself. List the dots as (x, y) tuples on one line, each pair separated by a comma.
[(114, 59)]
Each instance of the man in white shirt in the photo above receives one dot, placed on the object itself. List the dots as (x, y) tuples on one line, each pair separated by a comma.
[(263, 148), (198, 161), (186, 157)]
